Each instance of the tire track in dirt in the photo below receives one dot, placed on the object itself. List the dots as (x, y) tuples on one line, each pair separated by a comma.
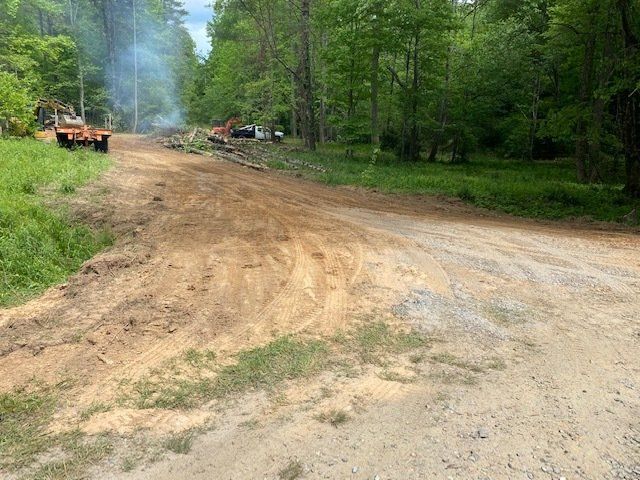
[(236, 256)]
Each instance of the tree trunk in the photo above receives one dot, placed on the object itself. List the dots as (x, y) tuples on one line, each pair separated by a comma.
[(322, 116), (443, 111), (41, 22), (405, 111), (307, 116), (294, 110), (533, 126), (73, 12), (586, 90), (81, 81), (629, 103), (135, 70), (107, 26), (414, 138), (375, 67), (350, 110), (391, 90)]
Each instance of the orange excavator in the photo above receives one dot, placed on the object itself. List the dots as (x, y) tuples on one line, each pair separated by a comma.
[(225, 130)]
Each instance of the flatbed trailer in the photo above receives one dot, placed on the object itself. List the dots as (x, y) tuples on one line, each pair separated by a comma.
[(85, 135), (70, 129)]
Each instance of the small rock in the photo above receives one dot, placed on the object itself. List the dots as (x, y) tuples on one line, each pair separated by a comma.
[(157, 199), (172, 328), (482, 433), (377, 477)]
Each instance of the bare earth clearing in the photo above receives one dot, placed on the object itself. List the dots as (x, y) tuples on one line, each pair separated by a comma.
[(533, 364)]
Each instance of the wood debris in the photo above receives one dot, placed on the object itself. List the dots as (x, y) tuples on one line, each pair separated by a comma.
[(250, 153)]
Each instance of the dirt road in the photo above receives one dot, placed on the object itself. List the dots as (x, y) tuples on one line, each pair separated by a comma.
[(213, 255)]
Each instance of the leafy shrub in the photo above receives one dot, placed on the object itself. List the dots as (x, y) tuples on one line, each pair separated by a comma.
[(15, 110)]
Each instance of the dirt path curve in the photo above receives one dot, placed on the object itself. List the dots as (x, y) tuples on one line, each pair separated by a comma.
[(210, 254)]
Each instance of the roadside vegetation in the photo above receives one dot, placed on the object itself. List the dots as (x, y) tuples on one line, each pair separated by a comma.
[(31, 447), (40, 245), (183, 383), (537, 189)]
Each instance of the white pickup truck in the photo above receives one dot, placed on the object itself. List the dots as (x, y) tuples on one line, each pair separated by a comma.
[(256, 131)]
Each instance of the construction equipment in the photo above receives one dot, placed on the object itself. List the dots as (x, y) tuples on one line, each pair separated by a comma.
[(225, 130), (69, 128)]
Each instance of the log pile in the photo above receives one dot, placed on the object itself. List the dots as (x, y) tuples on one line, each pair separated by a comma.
[(197, 141), (254, 154)]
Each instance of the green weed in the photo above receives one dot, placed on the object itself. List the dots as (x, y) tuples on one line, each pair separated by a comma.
[(541, 189), (24, 418), (333, 417), (391, 376), (80, 454), (291, 471), (452, 360), (41, 246), (95, 407), (262, 367), (180, 443), (372, 342)]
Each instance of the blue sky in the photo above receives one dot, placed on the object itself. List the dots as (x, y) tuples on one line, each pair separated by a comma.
[(199, 14)]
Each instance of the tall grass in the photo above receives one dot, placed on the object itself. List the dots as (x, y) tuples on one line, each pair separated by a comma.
[(543, 189), (40, 245)]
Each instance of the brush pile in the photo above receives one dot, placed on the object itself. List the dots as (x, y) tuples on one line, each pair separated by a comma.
[(202, 142), (251, 153), (197, 141)]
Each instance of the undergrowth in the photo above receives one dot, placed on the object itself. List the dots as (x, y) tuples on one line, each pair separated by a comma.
[(540, 189), (40, 245), (190, 380)]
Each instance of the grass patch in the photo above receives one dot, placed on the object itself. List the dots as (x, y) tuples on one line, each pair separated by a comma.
[(392, 376), (373, 342), (194, 377), (278, 165), (41, 246), (180, 443), (291, 471), (95, 407), (129, 463), (285, 358), (199, 358), (333, 417), (251, 424), (452, 360), (24, 418), (541, 189), (80, 455)]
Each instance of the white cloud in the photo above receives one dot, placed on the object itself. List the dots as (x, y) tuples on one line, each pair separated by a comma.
[(199, 13)]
